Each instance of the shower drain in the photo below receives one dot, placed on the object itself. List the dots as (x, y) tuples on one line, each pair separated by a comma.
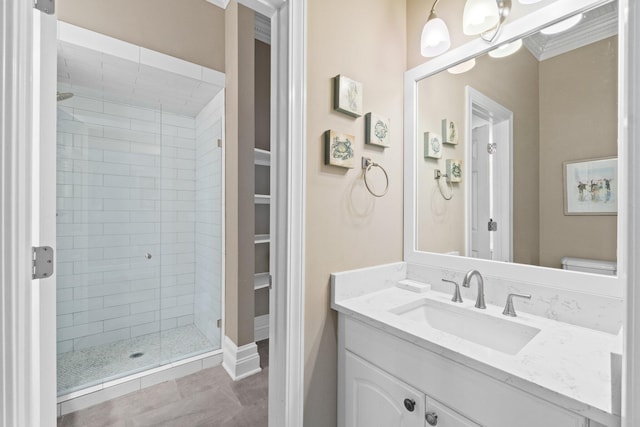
[(136, 355)]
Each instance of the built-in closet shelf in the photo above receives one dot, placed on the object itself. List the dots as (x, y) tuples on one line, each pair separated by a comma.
[(262, 199), (262, 238), (261, 280), (262, 157)]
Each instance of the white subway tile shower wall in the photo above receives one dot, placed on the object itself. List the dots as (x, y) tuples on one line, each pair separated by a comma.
[(127, 187)]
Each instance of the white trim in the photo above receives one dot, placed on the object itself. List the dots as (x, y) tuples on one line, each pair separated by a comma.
[(43, 205), (220, 3), (111, 389), (261, 328), (240, 362), (629, 217), (20, 397), (288, 181), (264, 7), (556, 278), (262, 28)]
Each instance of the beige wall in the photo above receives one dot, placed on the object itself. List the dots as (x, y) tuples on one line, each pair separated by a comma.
[(239, 186), (578, 120), (346, 227), (192, 30), (513, 83)]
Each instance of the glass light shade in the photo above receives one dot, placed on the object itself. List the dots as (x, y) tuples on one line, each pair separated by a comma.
[(562, 25), (435, 38), (506, 49), (480, 16), (463, 68)]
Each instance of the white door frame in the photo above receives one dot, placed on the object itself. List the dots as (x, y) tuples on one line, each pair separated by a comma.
[(504, 172), (27, 397), (629, 214), (288, 153)]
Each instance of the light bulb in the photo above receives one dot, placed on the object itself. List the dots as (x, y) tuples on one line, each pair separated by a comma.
[(506, 49), (463, 68), (480, 16), (562, 25), (435, 38)]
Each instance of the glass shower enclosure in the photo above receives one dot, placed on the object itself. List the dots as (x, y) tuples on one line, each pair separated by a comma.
[(139, 217)]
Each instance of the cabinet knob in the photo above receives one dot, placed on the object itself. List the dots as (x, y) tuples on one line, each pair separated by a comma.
[(410, 404), (432, 418)]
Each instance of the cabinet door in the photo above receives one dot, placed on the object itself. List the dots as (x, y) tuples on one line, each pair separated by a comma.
[(376, 399), (437, 414)]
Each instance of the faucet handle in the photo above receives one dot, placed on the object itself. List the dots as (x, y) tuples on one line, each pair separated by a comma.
[(456, 293), (509, 310)]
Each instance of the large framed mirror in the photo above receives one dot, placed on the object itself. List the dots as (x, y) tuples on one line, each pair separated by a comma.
[(511, 152)]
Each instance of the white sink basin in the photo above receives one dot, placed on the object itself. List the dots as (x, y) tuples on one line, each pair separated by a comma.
[(470, 324)]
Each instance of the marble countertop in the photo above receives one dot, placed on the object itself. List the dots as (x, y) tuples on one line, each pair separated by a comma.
[(564, 364)]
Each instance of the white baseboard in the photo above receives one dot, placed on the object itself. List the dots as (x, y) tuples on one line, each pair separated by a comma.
[(240, 362), (261, 328)]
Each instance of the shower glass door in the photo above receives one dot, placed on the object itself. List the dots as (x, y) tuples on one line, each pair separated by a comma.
[(108, 236)]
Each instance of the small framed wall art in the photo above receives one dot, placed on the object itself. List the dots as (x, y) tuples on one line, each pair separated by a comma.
[(338, 149), (590, 187), (454, 170), (347, 96), (377, 130), (449, 132), (432, 145)]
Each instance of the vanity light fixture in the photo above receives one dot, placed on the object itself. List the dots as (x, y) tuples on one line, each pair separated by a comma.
[(562, 25), (506, 49), (463, 67), (485, 17), (435, 38)]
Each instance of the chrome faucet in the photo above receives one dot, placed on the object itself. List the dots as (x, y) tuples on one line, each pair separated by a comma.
[(509, 310), (456, 292), (467, 284)]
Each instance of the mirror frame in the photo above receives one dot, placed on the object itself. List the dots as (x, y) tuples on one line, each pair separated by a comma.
[(607, 286)]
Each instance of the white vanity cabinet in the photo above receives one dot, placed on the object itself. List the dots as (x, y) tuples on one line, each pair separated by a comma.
[(378, 371), (375, 398)]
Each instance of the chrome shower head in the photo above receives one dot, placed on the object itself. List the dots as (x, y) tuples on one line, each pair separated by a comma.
[(61, 96)]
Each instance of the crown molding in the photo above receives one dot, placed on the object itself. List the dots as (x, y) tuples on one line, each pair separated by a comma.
[(262, 28), (220, 3), (597, 24)]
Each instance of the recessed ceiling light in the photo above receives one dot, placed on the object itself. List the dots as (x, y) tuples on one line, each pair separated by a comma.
[(562, 25), (464, 67), (506, 49)]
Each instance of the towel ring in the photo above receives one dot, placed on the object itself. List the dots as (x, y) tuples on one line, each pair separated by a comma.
[(367, 165), (437, 175)]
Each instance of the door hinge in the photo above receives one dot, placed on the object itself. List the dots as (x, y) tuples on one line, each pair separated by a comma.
[(46, 6), (270, 282), (219, 323), (492, 148), (219, 143), (493, 226), (42, 262)]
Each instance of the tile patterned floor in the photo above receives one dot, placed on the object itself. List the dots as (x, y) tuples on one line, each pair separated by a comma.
[(207, 398), (95, 365)]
